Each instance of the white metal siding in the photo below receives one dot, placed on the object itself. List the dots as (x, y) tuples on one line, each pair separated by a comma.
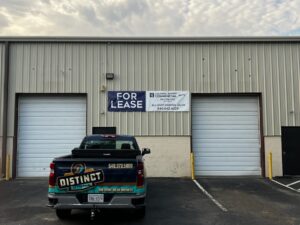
[(272, 69), (47, 127), (226, 136), (2, 67)]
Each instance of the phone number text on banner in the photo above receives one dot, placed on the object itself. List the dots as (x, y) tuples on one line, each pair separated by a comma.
[(167, 101)]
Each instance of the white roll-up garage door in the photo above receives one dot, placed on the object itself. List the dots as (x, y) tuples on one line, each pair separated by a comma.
[(226, 136), (47, 127)]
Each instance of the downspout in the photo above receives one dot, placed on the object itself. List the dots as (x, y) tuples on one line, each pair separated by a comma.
[(5, 108)]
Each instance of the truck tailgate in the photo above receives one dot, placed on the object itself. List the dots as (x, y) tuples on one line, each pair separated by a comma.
[(90, 175)]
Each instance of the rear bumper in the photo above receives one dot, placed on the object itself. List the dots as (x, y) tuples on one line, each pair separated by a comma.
[(71, 202)]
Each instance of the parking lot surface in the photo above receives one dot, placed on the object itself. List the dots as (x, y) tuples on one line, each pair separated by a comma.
[(170, 201), (255, 200), (292, 182)]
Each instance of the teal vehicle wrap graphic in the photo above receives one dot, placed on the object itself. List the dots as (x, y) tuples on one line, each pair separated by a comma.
[(115, 189)]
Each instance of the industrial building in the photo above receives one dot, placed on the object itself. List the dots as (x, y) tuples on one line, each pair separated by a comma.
[(242, 101)]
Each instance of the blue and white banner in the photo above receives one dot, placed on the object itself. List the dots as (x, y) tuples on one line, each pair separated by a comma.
[(155, 101), (126, 101)]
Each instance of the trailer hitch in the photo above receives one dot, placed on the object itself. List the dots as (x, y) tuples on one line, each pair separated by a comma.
[(93, 213)]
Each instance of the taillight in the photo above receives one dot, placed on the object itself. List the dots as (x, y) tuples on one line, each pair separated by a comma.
[(52, 175), (140, 174)]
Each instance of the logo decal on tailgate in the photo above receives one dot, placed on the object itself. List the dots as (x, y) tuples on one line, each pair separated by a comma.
[(80, 178)]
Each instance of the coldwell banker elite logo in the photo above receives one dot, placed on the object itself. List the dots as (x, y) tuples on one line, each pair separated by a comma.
[(80, 178)]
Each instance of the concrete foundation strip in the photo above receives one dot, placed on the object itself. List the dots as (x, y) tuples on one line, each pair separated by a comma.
[(210, 197), (286, 186)]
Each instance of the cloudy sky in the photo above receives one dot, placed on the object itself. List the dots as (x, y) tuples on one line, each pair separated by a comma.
[(149, 17)]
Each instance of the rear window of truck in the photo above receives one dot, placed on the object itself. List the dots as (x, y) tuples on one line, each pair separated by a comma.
[(109, 144)]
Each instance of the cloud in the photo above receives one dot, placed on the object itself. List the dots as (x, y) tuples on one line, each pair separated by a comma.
[(149, 17), (3, 21)]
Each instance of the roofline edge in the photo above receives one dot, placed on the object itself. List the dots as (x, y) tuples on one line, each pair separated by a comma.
[(149, 39)]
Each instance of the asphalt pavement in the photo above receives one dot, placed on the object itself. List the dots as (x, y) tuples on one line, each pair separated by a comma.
[(170, 201), (290, 181)]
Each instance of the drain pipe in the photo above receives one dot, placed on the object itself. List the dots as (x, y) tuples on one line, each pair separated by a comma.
[(5, 109)]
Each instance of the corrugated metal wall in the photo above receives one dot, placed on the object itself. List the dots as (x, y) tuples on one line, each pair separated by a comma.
[(270, 68), (2, 56)]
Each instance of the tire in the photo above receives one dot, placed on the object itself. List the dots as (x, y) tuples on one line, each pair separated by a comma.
[(63, 213), (140, 212)]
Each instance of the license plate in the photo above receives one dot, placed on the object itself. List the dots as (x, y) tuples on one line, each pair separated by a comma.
[(96, 198)]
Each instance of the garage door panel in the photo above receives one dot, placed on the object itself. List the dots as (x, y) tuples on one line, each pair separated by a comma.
[(54, 121), (223, 122), (231, 108), (219, 127), (224, 118), (225, 140), (230, 168), (32, 146), (59, 107), (43, 131), (225, 114), (52, 114), (53, 141), (41, 153), (224, 172), (232, 134), (45, 148), (28, 137), (228, 161), (35, 172), (35, 166), (225, 136), (226, 154), (67, 128), (58, 104), (48, 127), (42, 160), (205, 145), (228, 99), (228, 150)]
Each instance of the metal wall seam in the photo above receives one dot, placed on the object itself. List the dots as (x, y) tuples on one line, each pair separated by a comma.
[(2, 56), (285, 88), (5, 60), (292, 83), (2, 72)]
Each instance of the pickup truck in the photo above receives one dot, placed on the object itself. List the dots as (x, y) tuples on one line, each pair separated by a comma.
[(106, 171)]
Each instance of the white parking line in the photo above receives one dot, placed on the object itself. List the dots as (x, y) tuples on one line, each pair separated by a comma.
[(275, 181), (296, 182), (210, 197)]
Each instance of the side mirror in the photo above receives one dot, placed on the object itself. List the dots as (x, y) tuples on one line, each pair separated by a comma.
[(146, 151)]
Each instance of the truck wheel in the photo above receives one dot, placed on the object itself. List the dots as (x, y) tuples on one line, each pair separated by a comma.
[(63, 213), (140, 212)]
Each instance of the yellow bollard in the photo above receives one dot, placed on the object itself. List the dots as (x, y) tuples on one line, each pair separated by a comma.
[(192, 166), (7, 175), (270, 166)]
